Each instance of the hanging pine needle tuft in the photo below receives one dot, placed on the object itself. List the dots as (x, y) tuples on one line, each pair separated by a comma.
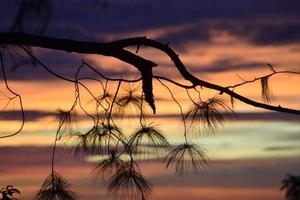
[(265, 90), (98, 139), (105, 96), (55, 188), (65, 120), (187, 159), (107, 167), (128, 101), (291, 185), (211, 113), (128, 183), (148, 139)]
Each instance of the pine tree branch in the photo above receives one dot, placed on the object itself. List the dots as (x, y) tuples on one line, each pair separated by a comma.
[(116, 49)]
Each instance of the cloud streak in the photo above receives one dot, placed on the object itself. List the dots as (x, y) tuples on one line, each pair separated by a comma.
[(87, 20), (34, 115), (31, 115), (280, 148)]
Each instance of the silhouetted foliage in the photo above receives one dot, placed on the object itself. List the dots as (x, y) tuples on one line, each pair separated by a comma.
[(128, 101), (117, 168), (265, 90), (55, 188), (187, 158), (107, 167), (128, 183), (98, 139), (208, 114), (33, 16), (8, 193), (66, 120), (148, 139), (291, 185)]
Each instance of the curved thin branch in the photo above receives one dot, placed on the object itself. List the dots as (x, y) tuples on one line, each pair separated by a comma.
[(108, 78), (44, 66), (16, 95), (174, 82), (273, 72), (180, 108)]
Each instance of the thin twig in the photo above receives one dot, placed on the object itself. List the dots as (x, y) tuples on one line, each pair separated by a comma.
[(273, 72), (180, 108), (16, 95)]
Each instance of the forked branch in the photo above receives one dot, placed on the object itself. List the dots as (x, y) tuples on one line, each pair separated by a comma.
[(117, 50)]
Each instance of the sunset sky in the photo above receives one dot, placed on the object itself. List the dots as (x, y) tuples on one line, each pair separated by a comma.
[(224, 42)]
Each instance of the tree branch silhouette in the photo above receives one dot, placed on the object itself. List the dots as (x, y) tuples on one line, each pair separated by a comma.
[(116, 49), (119, 169)]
